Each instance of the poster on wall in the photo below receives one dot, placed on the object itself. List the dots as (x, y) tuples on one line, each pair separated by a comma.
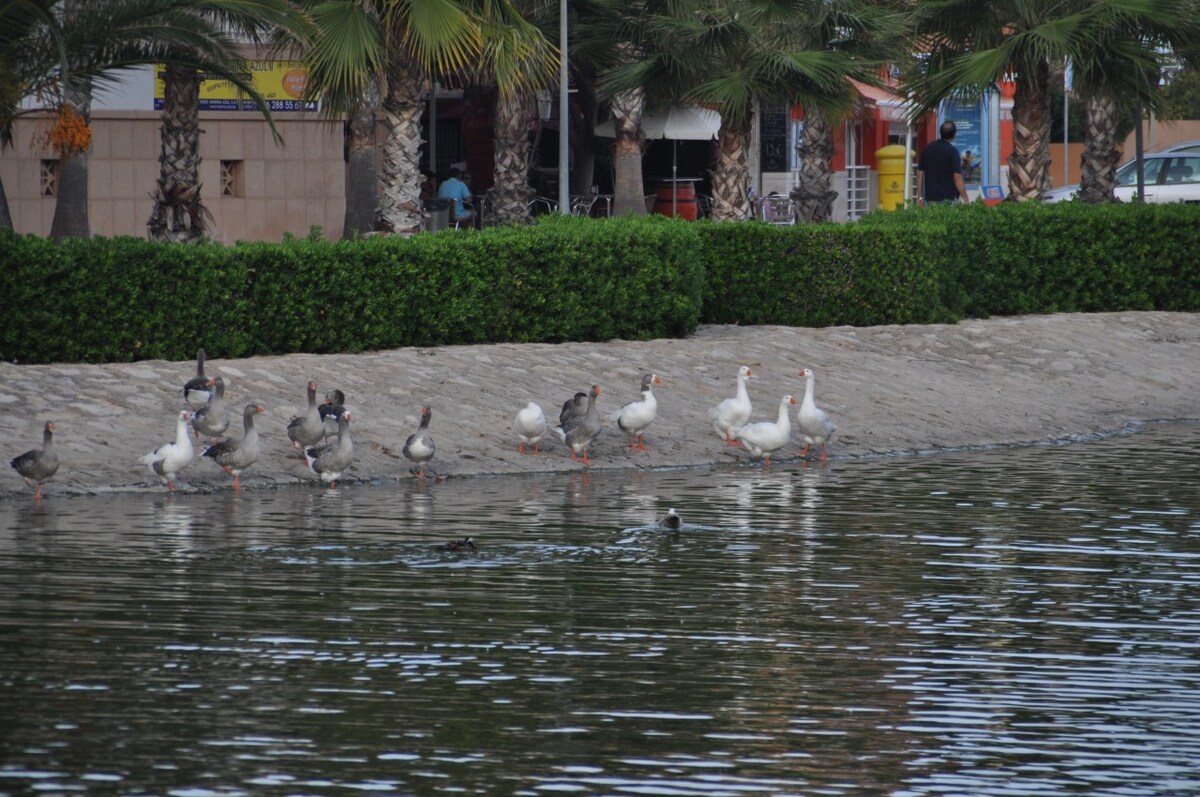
[(281, 84), (968, 117), (773, 134)]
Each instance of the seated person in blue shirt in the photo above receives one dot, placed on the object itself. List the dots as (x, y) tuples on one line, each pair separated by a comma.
[(455, 189)]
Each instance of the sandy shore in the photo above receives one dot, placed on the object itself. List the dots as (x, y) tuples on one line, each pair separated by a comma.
[(890, 389)]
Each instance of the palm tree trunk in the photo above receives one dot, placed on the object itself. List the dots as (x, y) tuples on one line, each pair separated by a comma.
[(1101, 150), (71, 206), (814, 194), (362, 182), (628, 183), (511, 192), (731, 177), (1029, 164), (179, 215), (400, 209)]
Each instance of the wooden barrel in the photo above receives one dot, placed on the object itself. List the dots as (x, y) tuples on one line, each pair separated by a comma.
[(677, 194)]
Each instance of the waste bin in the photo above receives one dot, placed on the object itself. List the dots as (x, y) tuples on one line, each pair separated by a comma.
[(890, 163), (437, 214)]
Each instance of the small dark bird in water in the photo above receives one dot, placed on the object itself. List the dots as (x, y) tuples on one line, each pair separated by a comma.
[(458, 546), (672, 521)]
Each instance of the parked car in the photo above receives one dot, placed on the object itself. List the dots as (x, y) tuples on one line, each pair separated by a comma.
[(1171, 175)]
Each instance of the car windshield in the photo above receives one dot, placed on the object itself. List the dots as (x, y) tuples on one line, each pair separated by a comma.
[(1127, 174)]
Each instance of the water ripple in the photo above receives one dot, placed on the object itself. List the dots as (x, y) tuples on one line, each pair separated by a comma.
[(1008, 622)]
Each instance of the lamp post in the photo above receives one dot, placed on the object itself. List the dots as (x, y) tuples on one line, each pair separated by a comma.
[(564, 170)]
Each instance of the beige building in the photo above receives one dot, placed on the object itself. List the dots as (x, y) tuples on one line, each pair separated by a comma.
[(255, 188)]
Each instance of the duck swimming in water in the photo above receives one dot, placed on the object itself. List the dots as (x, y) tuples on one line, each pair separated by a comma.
[(458, 546), (672, 521)]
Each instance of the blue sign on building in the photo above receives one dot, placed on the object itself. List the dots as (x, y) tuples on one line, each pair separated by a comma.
[(968, 117)]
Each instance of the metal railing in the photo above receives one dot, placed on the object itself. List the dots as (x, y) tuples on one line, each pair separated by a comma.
[(858, 191)]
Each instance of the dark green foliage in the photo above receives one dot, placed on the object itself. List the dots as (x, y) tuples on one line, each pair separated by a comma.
[(819, 275), (1067, 257), (122, 299), (1181, 96)]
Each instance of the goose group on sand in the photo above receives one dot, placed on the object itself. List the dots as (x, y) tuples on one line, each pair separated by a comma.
[(579, 424)]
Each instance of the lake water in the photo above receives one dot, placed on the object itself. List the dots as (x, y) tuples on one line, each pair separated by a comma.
[(1010, 622)]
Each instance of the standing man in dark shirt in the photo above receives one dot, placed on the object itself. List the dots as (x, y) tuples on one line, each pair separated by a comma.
[(939, 172)]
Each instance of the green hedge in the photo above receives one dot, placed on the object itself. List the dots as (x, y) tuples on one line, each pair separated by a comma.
[(820, 275), (122, 299), (1067, 257)]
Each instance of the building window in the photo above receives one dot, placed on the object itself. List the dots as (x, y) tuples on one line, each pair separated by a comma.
[(231, 179), (50, 178)]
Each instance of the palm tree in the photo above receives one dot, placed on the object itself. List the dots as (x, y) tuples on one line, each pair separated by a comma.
[(731, 55), (609, 28), (75, 105), (397, 46), (346, 57), (869, 34), (64, 48), (422, 37), (628, 108), (179, 214), (972, 44), (1136, 41), (813, 194), (518, 60)]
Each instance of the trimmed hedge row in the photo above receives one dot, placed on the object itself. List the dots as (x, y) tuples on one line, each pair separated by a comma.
[(115, 300), (123, 299), (1067, 257), (820, 275)]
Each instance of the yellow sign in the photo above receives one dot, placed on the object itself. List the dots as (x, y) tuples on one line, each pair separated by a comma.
[(281, 84)]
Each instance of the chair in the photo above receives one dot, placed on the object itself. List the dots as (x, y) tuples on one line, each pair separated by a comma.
[(540, 205), (458, 222), (778, 209)]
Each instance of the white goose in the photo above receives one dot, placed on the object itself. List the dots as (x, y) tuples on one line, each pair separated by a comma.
[(733, 411), (765, 437), (167, 460), (636, 416), (419, 447), (530, 425), (815, 426)]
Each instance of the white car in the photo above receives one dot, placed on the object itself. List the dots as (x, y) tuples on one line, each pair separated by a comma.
[(1172, 175)]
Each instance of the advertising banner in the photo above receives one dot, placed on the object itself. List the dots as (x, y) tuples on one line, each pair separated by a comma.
[(969, 139), (281, 84)]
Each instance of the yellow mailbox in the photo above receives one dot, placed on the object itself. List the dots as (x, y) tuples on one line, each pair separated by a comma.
[(890, 160)]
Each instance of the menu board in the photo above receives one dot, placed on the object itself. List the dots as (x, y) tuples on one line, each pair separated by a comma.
[(773, 132)]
